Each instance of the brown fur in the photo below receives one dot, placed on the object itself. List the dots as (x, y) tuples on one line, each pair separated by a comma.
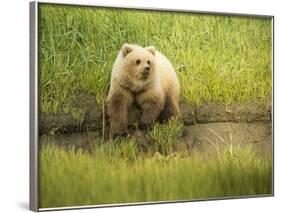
[(171, 109), (156, 93), (117, 109)]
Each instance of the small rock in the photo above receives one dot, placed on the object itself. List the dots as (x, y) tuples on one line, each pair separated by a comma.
[(188, 113)]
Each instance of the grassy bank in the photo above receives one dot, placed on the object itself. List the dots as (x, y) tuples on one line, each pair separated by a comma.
[(217, 58), (72, 177)]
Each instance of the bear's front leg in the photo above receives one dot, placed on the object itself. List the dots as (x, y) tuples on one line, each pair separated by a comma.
[(150, 110), (117, 108), (151, 103)]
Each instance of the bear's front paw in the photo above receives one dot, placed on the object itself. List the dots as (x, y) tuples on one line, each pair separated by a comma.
[(144, 126), (120, 134)]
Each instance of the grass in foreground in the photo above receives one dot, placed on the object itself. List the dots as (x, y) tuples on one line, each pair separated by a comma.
[(217, 58), (72, 177)]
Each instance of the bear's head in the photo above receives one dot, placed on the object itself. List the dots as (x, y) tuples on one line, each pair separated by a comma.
[(138, 62)]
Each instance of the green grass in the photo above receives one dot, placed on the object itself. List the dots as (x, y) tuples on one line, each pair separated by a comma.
[(70, 177), (120, 171), (217, 58), (164, 135)]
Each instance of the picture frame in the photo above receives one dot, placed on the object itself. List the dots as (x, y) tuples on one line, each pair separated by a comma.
[(265, 114)]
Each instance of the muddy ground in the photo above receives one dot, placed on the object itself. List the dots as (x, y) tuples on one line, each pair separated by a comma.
[(207, 128), (92, 118), (207, 139)]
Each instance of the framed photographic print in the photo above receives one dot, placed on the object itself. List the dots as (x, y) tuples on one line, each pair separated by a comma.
[(134, 106)]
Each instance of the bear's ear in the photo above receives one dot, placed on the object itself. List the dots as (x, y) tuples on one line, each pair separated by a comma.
[(126, 48), (151, 49)]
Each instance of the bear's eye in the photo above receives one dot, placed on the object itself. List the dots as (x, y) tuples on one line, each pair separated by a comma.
[(148, 62), (138, 61)]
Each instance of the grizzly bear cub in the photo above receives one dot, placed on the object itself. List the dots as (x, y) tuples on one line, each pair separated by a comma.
[(144, 76)]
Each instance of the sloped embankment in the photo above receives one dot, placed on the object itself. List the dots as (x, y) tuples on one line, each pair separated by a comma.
[(207, 128), (92, 118)]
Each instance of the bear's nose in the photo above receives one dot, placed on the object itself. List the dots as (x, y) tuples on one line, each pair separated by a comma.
[(146, 70)]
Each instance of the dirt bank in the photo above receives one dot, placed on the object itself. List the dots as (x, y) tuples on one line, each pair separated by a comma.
[(207, 139), (91, 119)]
